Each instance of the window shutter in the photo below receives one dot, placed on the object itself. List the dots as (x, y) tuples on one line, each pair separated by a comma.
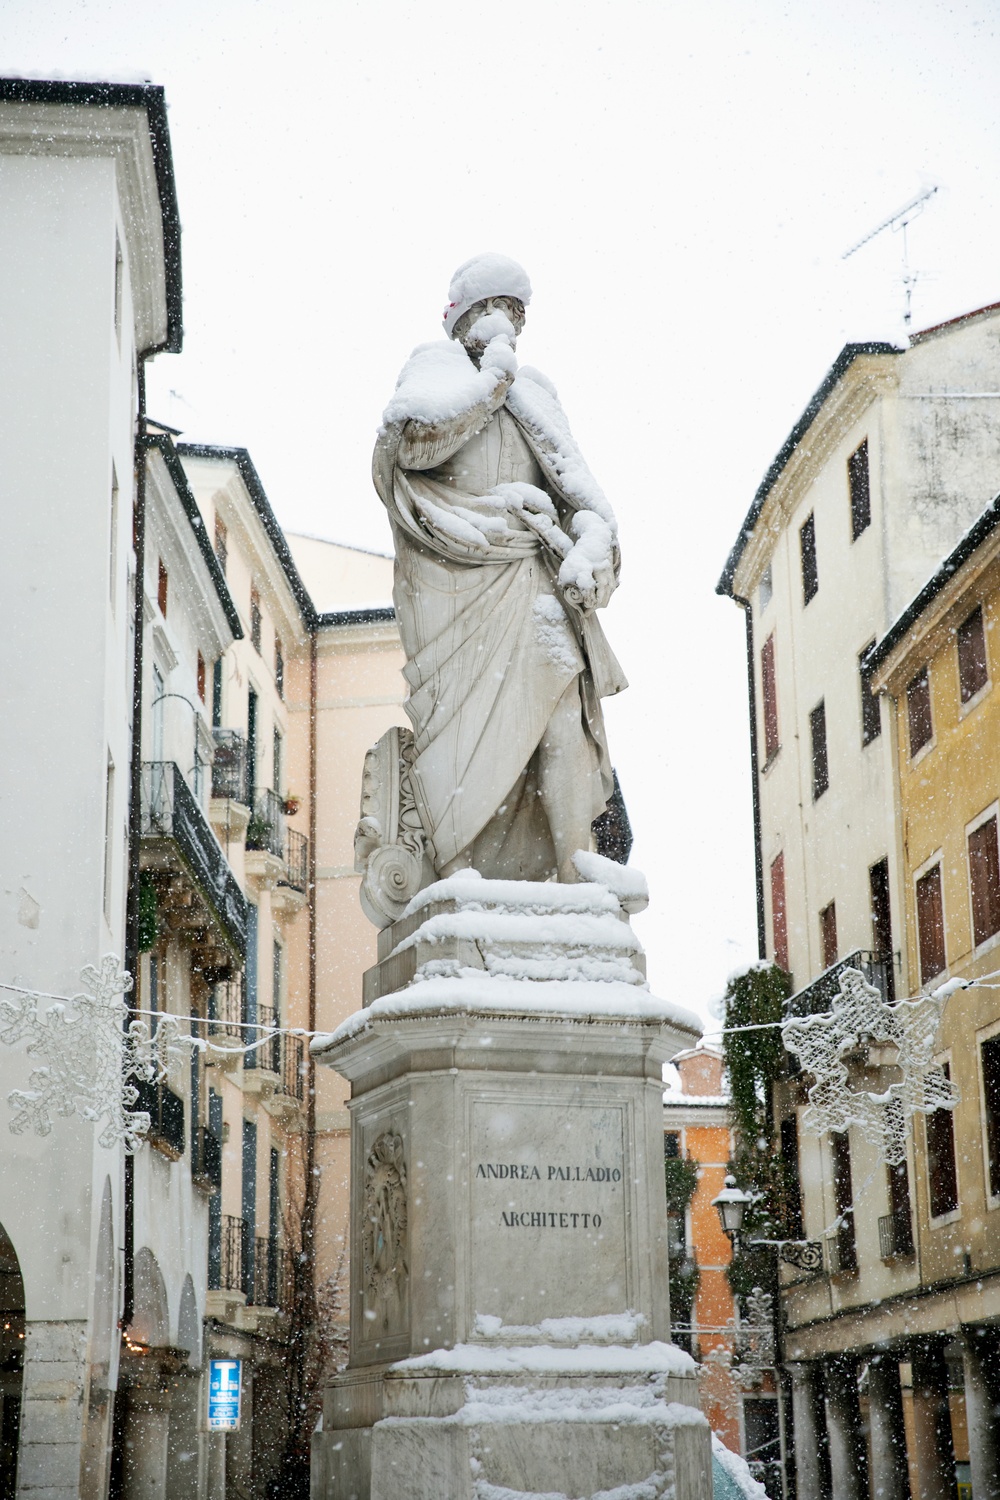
[(860, 486), (918, 709), (828, 933), (941, 1159), (990, 1055), (930, 924), (772, 743), (810, 572), (973, 673), (779, 918), (984, 878), (820, 763)]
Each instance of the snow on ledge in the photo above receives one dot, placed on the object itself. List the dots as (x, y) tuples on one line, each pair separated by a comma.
[(655, 1358), (606, 1328), (474, 992), (474, 893)]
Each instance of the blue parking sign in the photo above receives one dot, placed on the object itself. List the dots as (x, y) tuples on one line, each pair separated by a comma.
[(225, 1386)]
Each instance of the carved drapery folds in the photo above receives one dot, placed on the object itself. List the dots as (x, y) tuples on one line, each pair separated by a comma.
[(385, 1223)]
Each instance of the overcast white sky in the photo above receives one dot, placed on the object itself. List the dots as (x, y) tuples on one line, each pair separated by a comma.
[(679, 179)]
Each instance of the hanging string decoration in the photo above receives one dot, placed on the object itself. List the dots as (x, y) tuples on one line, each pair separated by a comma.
[(746, 1348), (88, 1059), (872, 1063)]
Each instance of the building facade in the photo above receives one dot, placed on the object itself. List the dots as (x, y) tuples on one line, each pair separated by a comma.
[(893, 459)]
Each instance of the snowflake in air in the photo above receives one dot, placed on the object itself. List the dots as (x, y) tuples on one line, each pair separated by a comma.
[(910, 1082), (88, 1059)]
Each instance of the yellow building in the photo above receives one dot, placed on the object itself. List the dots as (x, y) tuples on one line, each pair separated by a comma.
[(939, 662)]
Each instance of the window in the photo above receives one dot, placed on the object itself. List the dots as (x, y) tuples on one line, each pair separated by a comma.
[(930, 924), (279, 668), (807, 544), (766, 588), (672, 1144), (820, 764), (973, 672), (201, 677), (113, 546), (984, 879), (779, 916), (860, 487), (221, 543), (119, 285), (828, 934), (941, 1169), (217, 693), (255, 618), (989, 1054), (276, 763), (871, 708), (109, 834), (794, 1227), (249, 1207), (251, 743), (772, 743), (843, 1196), (161, 589), (878, 880), (918, 711), (277, 977), (899, 1209)]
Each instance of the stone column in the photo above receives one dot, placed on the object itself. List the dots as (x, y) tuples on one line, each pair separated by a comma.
[(848, 1459), (890, 1477), (146, 1382), (980, 1356), (809, 1434), (934, 1454)]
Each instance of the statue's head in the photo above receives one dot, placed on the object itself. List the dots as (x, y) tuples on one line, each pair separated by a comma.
[(485, 293)]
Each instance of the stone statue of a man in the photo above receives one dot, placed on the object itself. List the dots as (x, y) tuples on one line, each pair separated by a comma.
[(505, 548)]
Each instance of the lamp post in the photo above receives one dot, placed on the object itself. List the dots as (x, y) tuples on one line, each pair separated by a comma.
[(731, 1206)]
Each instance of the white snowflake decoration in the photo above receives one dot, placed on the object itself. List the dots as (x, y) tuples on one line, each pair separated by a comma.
[(88, 1058), (862, 1018)]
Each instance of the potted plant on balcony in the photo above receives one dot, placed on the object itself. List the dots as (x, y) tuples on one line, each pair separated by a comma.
[(290, 804)]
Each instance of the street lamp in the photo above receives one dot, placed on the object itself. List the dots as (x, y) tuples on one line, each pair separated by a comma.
[(731, 1206)]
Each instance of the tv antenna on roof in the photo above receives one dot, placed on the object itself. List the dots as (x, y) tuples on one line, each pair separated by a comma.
[(899, 221)]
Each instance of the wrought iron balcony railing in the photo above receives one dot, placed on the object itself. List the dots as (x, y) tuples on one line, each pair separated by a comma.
[(229, 767), (822, 994), (169, 811), (207, 1163), (293, 1067), (895, 1236), (225, 1008), (166, 1116), (227, 1273), (297, 859), (266, 829), (266, 1055)]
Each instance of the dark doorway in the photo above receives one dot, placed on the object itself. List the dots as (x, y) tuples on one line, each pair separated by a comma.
[(11, 1363)]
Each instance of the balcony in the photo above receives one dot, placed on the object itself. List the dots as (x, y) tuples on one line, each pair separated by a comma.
[(229, 768), (277, 856), (288, 1091), (206, 1168), (297, 859), (822, 995), (226, 1003), (166, 1118), (266, 829), (196, 890), (265, 1056), (895, 1237), (225, 1269)]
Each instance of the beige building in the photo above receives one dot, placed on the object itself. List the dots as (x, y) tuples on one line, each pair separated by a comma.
[(895, 456)]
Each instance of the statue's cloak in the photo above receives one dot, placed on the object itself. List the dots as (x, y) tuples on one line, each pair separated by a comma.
[(491, 643)]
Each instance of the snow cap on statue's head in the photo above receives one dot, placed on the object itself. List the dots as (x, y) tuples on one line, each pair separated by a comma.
[(483, 276)]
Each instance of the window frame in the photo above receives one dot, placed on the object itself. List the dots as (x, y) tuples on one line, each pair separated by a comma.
[(779, 858), (765, 587), (951, 1215), (817, 790), (966, 705), (986, 1034), (769, 674), (869, 734), (858, 531), (828, 917), (808, 554), (928, 744), (992, 812), (935, 861)]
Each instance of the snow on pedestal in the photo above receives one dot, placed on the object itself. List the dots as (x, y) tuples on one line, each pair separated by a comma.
[(510, 1308)]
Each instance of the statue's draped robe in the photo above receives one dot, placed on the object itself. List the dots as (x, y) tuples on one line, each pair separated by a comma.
[(490, 645)]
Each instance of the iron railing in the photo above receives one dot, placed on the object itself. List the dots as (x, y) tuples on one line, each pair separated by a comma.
[(169, 810), (228, 1275), (297, 859), (293, 1067), (267, 1053), (225, 1008), (824, 992), (166, 1115), (895, 1236), (229, 766), (266, 829)]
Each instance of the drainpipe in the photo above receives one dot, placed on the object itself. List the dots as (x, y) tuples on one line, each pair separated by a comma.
[(754, 777)]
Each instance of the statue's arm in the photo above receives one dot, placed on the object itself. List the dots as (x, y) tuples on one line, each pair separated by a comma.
[(424, 445)]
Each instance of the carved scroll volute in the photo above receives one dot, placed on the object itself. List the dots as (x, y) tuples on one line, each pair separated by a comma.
[(389, 842)]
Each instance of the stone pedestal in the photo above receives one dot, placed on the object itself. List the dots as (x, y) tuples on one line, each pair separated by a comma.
[(510, 1314)]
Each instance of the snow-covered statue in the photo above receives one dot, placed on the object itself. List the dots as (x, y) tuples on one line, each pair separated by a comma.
[(505, 550)]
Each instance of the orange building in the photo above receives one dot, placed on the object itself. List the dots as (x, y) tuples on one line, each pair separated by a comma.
[(696, 1126)]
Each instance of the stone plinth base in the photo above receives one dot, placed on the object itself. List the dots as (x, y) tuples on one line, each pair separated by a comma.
[(508, 1210), (429, 1429)]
